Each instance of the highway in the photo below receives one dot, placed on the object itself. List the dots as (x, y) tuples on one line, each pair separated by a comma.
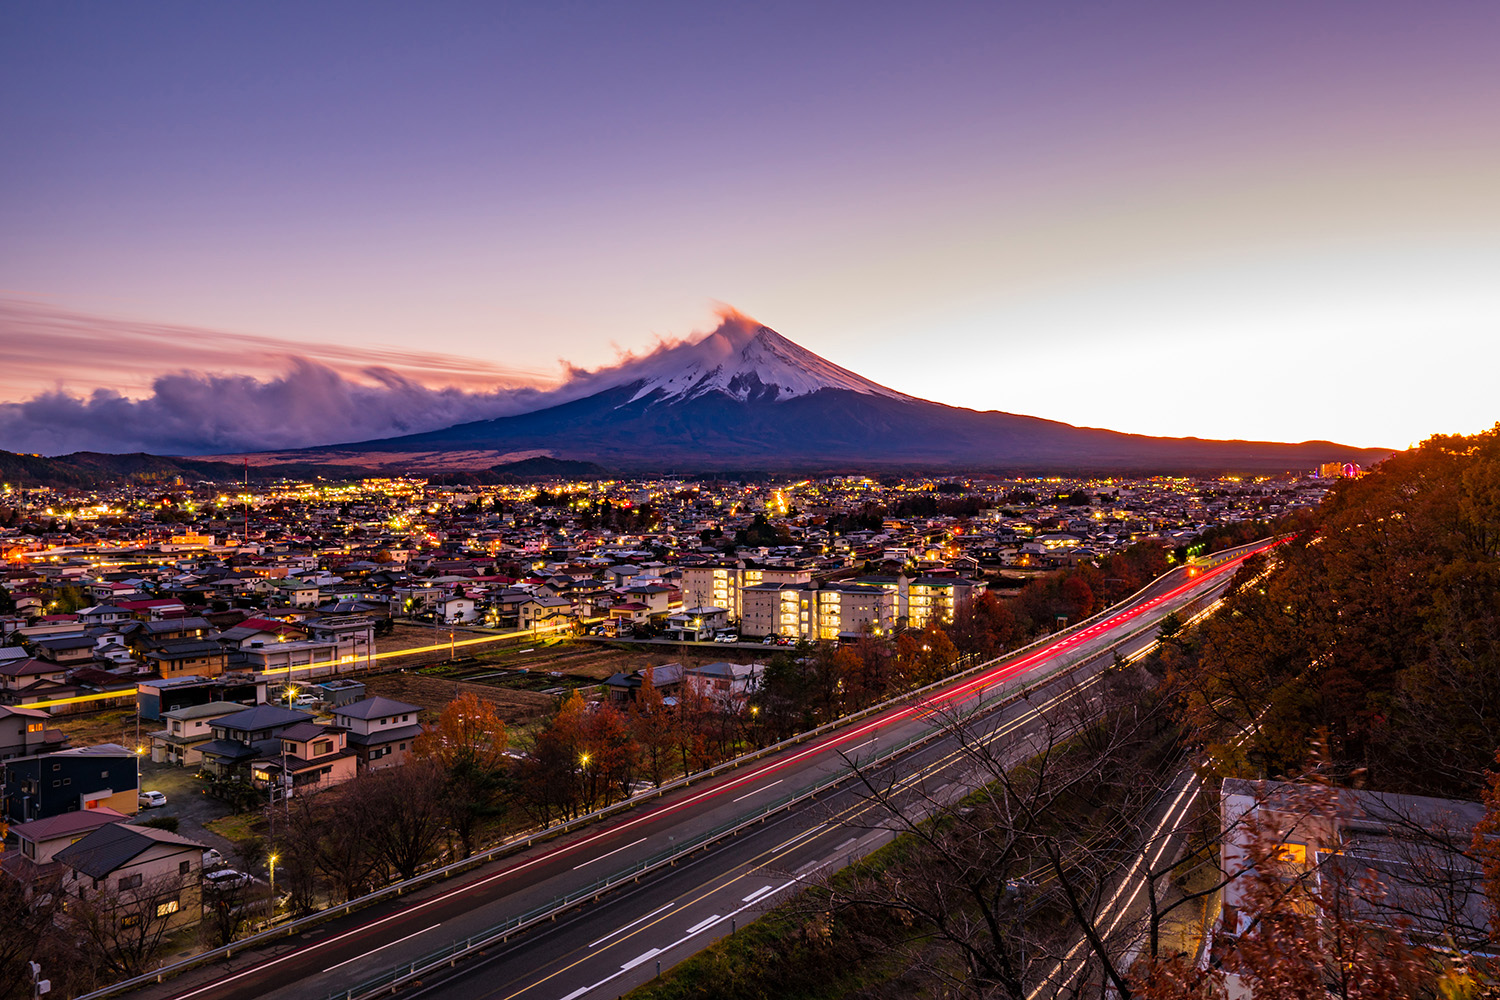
[(610, 945)]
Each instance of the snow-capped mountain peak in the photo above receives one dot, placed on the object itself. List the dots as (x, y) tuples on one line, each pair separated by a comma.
[(749, 362)]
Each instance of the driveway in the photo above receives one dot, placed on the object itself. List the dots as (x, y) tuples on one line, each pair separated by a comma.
[(187, 801)]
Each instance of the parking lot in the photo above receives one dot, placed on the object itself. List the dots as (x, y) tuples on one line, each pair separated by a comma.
[(185, 800)]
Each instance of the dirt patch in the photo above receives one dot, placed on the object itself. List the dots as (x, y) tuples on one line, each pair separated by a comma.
[(517, 708), (116, 725)]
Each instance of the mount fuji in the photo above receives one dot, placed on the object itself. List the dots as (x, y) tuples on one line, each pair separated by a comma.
[(745, 397)]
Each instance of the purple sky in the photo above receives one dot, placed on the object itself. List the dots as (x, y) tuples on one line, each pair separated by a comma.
[(1086, 212)]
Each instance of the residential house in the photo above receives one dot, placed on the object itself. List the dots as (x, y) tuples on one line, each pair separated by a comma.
[(65, 650), (188, 658), (729, 686), (139, 873), (666, 678), (1408, 856), (297, 593), (545, 612), (187, 730), (246, 736), (50, 784), (311, 757), (381, 731), (31, 680), (697, 624), (104, 614), (24, 732), (453, 610), (38, 842)]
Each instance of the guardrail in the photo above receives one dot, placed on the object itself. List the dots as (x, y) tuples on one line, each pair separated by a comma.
[(524, 841)]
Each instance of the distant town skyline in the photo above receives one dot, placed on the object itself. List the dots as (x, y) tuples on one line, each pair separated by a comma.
[(1270, 223)]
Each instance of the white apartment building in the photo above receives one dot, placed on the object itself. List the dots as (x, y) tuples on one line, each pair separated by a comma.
[(723, 586), (809, 611)]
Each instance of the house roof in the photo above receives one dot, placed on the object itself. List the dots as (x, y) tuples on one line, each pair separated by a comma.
[(30, 713), (308, 731), (263, 717), (383, 736), (29, 668), (116, 844), (67, 824), (375, 708), (191, 649), (212, 710)]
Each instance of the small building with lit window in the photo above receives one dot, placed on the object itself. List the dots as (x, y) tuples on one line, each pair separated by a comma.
[(136, 874)]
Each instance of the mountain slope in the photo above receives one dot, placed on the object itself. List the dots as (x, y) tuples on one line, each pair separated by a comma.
[(746, 397)]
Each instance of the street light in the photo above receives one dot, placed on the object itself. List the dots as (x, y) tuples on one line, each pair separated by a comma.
[(272, 860)]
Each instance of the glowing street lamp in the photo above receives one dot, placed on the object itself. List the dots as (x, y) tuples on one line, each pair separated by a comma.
[(272, 860)]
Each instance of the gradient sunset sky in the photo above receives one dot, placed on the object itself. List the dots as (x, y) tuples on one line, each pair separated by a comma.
[(1270, 220)]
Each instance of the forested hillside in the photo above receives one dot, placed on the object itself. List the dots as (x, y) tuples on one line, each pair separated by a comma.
[(1378, 634)]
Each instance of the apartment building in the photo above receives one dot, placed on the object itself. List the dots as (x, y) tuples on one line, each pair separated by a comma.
[(812, 611), (723, 585)]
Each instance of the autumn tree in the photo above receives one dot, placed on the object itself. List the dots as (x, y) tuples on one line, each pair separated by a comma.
[(651, 727), (983, 626), (468, 746), (607, 756)]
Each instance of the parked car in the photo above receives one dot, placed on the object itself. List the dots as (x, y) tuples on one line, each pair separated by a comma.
[(727, 637), (769, 640), (306, 700), (151, 800), (785, 640), (225, 879)]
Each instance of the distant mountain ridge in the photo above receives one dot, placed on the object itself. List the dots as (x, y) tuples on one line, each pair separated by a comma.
[(87, 469), (746, 397)]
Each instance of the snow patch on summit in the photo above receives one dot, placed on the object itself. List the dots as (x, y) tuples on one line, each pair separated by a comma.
[(748, 362)]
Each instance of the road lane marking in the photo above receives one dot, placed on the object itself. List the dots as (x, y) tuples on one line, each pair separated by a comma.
[(759, 790), (621, 930), (644, 956), (372, 951), (703, 925), (617, 850), (757, 894)]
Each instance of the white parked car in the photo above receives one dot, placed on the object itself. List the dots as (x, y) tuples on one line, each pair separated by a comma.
[(151, 800), (225, 878), (212, 859)]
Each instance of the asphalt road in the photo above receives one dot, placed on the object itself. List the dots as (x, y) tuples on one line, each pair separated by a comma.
[(559, 962)]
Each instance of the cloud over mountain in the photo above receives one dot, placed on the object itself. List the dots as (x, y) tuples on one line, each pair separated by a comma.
[(228, 393), (194, 413)]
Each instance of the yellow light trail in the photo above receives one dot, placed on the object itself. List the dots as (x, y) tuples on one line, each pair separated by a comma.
[(388, 654)]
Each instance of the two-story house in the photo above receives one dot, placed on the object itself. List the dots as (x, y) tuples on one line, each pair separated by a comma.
[(188, 658), (50, 784), (381, 731), (39, 841), (247, 736), (138, 873), (187, 730), (311, 756), (24, 732)]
